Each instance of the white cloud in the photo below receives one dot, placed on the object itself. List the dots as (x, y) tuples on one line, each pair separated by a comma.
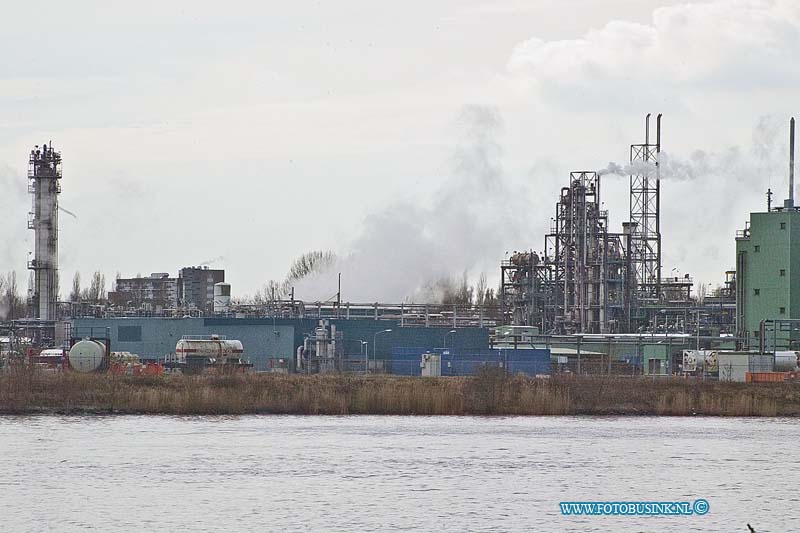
[(729, 46), (724, 73)]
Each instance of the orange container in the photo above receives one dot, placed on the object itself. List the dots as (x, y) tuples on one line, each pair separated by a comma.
[(153, 369), (766, 377)]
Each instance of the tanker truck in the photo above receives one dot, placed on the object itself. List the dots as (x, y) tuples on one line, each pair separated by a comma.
[(196, 354)]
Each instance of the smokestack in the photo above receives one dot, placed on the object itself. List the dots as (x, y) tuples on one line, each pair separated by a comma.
[(791, 162), (658, 133)]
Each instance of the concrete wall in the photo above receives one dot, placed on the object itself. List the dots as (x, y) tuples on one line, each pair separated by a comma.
[(733, 366)]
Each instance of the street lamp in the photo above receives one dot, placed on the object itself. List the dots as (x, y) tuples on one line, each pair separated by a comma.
[(445, 336), (362, 352), (375, 346)]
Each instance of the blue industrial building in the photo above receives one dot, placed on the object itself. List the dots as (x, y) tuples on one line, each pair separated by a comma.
[(267, 340), (461, 362)]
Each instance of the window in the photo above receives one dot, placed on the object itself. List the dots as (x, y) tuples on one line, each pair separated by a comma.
[(783, 225), (756, 334), (129, 333), (757, 248), (783, 272), (782, 310), (756, 292)]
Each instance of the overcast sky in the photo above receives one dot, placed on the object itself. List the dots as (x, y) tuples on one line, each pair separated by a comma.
[(413, 138)]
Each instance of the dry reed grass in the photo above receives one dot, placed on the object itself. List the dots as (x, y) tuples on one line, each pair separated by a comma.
[(25, 390)]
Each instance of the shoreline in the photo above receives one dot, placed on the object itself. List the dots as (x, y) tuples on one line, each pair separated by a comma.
[(491, 393)]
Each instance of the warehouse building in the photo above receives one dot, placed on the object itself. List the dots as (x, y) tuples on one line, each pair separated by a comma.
[(272, 343)]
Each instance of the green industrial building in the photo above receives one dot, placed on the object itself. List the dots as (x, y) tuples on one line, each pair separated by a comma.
[(767, 270)]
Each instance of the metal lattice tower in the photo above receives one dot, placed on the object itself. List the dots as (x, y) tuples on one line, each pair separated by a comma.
[(44, 173), (645, 217)]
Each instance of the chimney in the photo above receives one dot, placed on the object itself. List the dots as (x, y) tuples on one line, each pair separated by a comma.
[(791, 162)]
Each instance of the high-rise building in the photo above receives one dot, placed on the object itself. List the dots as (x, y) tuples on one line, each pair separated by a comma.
[(158, 291), (196, 287)]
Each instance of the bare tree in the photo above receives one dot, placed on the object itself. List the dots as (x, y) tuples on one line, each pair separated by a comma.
[(309, 263), (480, 289), (455, 291), (3, 309), (701, 293), (96, 292), (305, 265), (75, 295), (490, 299), (465, 291), (12, 305)]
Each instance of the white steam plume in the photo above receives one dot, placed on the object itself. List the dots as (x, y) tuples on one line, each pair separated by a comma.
[(762, 160), (465, 226), (14, 203)]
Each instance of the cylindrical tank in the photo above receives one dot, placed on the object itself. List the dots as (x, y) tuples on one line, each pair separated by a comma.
[(786, 361), (208, 348), (87, 355), (222, 297), (712, 362), (694, 360)]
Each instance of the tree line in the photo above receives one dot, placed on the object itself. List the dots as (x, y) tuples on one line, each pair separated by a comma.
[(447, 291), (14, 305), (95, 293)]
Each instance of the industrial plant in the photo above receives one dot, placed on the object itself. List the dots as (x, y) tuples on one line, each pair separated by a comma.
[(591, 299), (591, 279)]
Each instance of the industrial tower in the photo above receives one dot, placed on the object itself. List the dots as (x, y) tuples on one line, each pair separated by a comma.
[(590, 279), (44, 173), (645, 219)]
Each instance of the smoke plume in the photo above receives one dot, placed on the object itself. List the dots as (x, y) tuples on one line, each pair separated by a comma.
[(209, 262), (764, 159), (14, 203), (403, 250)]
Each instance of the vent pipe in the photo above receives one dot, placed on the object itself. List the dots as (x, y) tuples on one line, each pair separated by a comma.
[(791, 162)]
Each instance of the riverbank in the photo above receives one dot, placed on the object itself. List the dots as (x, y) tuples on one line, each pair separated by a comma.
[(491, 393)]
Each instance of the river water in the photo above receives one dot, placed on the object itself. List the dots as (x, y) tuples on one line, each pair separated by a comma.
[(286, 473)]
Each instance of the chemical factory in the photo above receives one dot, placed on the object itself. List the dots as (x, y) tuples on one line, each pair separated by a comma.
[(592, 300)]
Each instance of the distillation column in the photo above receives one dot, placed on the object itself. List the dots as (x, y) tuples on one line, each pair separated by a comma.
[(44, 173)]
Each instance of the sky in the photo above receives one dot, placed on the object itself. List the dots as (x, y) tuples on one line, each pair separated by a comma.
[(415, 139)]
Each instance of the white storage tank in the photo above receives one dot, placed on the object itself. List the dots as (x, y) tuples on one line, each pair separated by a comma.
[(786, 361), (694, 360), (222, 298), (87, 356)]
